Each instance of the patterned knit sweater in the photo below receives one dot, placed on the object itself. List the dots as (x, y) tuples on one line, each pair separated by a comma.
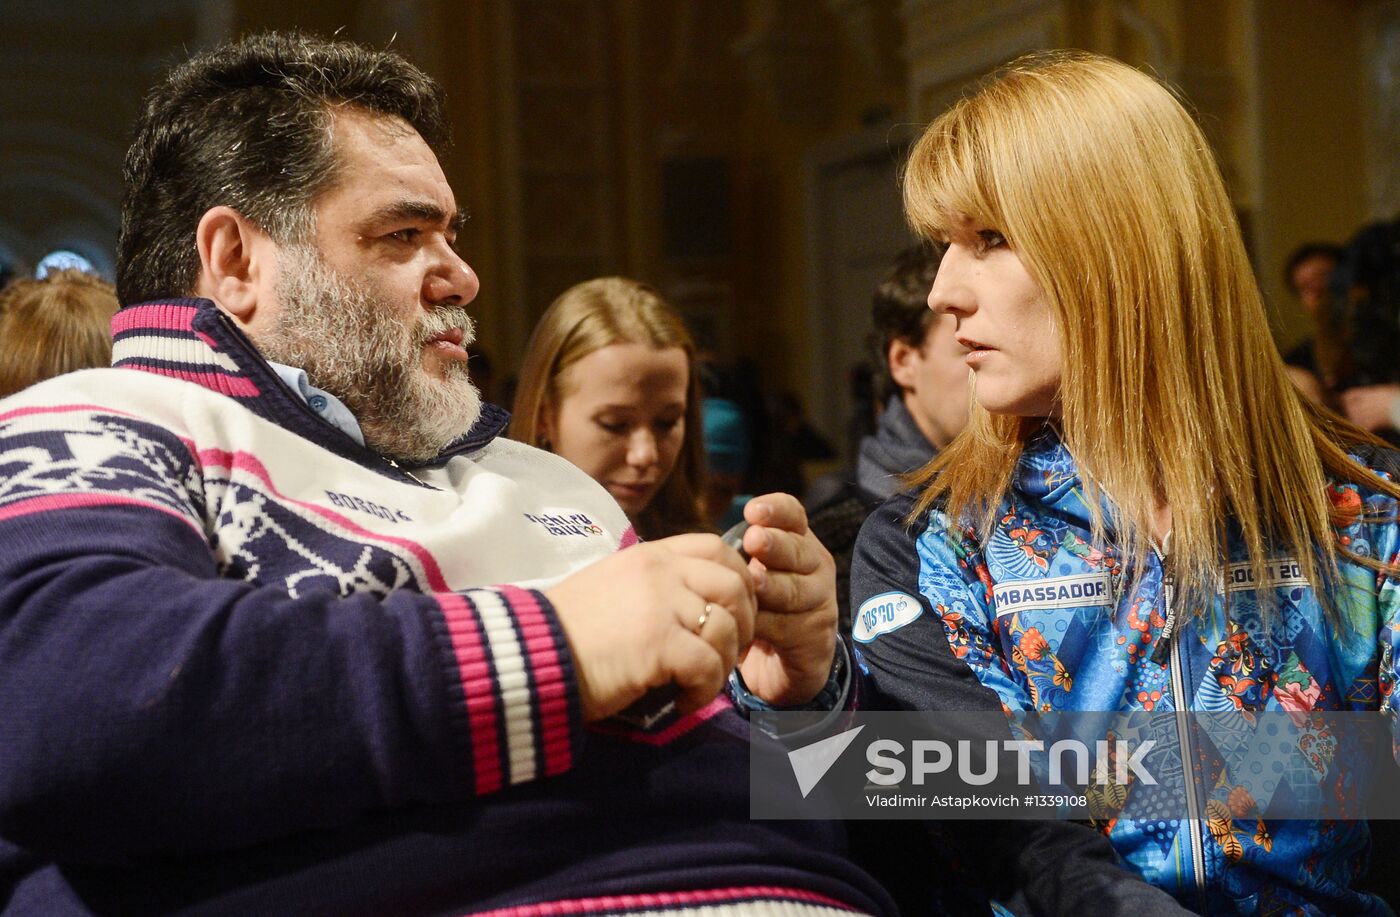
[(248, 666)]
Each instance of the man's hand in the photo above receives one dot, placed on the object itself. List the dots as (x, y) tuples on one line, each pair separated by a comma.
[(795, 631), (1370, 406), (676, 610)]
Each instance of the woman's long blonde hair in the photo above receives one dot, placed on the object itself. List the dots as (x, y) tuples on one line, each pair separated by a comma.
[(587, 317), (1171, 388)]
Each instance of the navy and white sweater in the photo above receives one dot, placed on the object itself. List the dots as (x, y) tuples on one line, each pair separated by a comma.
[(248, 666)]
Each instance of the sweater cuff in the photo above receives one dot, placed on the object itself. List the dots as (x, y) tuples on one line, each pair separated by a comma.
[(520, 703)]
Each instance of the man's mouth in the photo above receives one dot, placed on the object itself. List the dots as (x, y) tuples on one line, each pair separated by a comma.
[(448, 344), (451, 336)]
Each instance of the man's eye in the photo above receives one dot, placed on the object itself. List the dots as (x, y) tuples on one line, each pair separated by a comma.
[(404, 235)]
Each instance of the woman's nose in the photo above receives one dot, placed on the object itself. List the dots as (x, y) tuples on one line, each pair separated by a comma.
[(641, 450), (950, 292)]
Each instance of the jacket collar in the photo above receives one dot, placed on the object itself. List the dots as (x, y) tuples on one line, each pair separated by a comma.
[(192, 340), (1048, 474)]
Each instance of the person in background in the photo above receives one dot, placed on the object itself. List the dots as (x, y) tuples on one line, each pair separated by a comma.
[(1366, 283), (52, 326), (784, 441), (1132, 427), (609, 383), (1307, 273), (728, 452), (1373, 407), (924, 390)]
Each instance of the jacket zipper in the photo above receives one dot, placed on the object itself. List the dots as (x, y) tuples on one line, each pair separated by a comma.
[(1170, 648), (404, 471)]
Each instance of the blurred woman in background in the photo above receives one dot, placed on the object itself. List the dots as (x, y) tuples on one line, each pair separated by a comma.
[(53, 326), (609, 383)]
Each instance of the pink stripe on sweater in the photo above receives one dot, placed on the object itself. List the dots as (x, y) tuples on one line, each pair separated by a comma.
[(662, 900), (672, 732), (83, 501), (465, 632), (62, 409), (543, 655), (157, 317), (248, 463), (629, 538), (234, 386)]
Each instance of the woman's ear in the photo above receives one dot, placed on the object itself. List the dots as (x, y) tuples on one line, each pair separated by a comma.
[(232, 268), (544, 435)]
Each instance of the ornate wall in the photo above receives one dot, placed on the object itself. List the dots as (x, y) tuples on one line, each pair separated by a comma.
[(76, 73), (739, 153)]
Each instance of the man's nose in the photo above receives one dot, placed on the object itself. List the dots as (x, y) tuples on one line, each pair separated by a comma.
[(451, 282)]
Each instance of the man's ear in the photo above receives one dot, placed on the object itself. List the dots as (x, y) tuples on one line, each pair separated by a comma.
[(234, 269), (902, 357)]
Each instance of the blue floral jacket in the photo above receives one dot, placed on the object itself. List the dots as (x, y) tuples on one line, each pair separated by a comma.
[(1047, 621)]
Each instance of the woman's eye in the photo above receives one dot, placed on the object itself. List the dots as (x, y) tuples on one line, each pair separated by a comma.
[(616, 427), (990, 238), (666, 426)]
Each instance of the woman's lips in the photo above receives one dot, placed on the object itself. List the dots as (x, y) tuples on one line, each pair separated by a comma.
[(977, 352), (631, 491)]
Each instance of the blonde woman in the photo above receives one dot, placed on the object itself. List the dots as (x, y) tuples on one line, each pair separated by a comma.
[(53, 326), (1134, 436), (609, 383)]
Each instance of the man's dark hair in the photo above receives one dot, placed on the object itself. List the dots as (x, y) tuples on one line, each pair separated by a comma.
[(248, 125), (900, 308), (1305, 252)]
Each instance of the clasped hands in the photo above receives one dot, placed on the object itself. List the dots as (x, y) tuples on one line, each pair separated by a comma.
[(686, 610)]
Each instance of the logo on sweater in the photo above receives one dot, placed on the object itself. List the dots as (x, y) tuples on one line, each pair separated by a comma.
[(1087, 589), (1281, 573), (345, 501), (566, 525)]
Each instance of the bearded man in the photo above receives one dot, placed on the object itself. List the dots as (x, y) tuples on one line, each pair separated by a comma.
[(286, 628)]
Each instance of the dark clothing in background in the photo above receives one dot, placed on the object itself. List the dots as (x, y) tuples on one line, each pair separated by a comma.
[(838, 503)]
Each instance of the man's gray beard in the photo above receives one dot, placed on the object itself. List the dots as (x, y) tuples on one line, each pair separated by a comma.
[(348, 339)]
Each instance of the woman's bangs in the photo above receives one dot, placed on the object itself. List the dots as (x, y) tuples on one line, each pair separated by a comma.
[(946, 178)]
